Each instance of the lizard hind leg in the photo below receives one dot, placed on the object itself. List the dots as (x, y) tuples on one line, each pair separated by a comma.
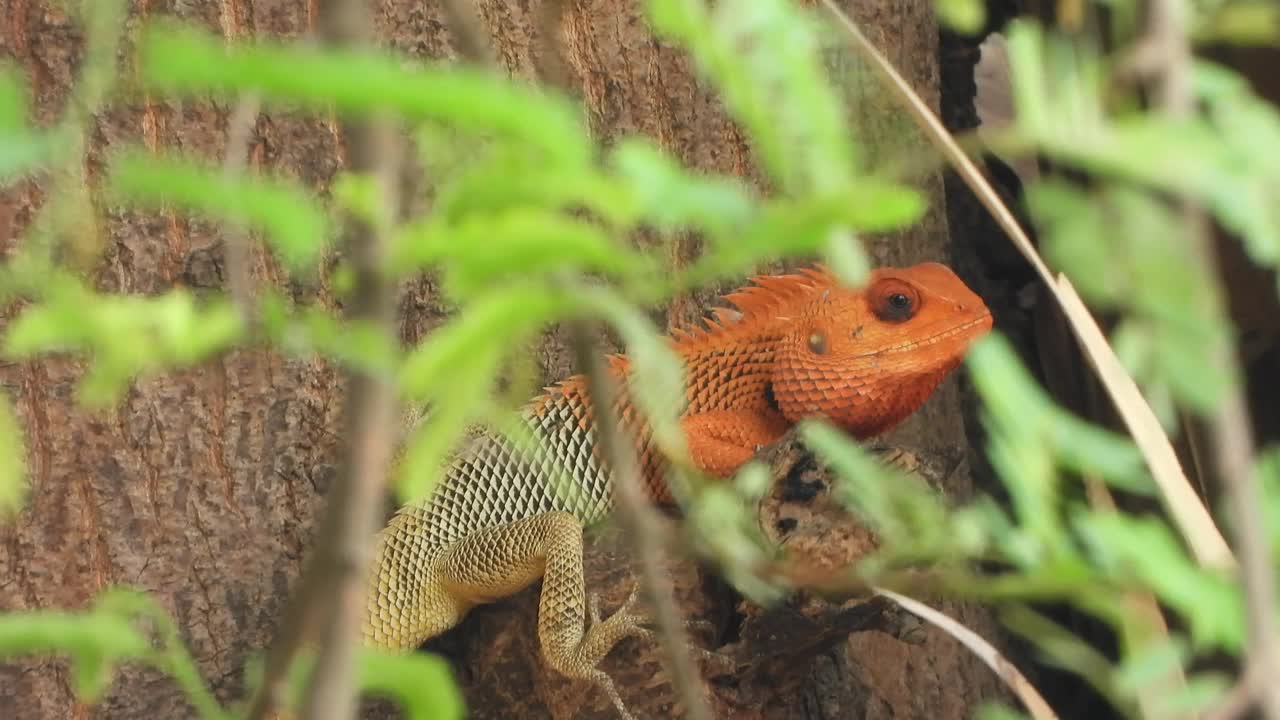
[(500, 561)]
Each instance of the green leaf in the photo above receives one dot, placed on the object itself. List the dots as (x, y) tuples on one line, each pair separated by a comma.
[(183, 61), (1024, 421), (726, 529), (804, 226), (672, 198), (764, 58), (908, 514), (523, 243), (497, 319), (360, 195), (21, 150), (124, 335), (295, 224), (1242, 22), (95, 641), (316, 330), (14, 100), (1129, 250), (1145, 550), (421, 684), (656, 378), (964, 16), (454, 369), (494, 177), (1150, 668), (48, 631), (454, 406), (13, 454), (1203, 693), (1059, 647)]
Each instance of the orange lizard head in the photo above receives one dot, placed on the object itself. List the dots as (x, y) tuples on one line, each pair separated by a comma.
[(866, 358)]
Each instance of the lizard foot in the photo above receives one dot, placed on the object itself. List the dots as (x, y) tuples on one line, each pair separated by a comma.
[(643, 626), (603, 634)]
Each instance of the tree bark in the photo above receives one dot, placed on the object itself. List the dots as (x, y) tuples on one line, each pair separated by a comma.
[(203, 487)]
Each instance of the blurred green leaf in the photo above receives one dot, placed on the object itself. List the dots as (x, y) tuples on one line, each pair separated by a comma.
[(124, 335), (763, 57), (1169, 330), (14, 100), (524, 243), (673, 198), (296, 225), (360, 195), (422, 685), (1239, 22), (178, 59), (21, 150), (723, 520), (454, 369), (1146, 550), (1016, 404), (1064, 649), (898, 505), (1201, 695), (517, 183), (965, 16), (316, 330), (656, 374), (91, 636), (805, 226), (846, 259), (13, 458), (104, 636), (1212, 160)]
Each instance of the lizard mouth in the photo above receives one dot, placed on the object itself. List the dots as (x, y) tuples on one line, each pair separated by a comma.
[(960, 329)]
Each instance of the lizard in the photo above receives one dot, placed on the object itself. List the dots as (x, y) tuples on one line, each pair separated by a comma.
[(791, 347)]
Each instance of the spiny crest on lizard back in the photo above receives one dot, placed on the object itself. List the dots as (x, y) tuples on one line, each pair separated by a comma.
[(758, 303)]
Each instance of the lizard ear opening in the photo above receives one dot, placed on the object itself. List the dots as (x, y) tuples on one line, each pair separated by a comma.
[(894, 301)]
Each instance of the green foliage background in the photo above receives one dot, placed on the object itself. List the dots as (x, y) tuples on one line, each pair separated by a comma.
[(533, 223)]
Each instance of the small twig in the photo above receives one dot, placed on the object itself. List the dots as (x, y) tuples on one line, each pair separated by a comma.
[(236, 241), (1230, 428), (1004, 669), (328, 604), (639, 525), (1188, 512)]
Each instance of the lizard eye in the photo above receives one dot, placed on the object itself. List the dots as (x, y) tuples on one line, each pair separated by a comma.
[(895, 301)]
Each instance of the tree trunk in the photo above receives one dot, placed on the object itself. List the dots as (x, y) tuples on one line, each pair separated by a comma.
[(203, 487)]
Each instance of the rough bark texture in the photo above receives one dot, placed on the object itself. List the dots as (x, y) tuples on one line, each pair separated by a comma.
[(202, 487)]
